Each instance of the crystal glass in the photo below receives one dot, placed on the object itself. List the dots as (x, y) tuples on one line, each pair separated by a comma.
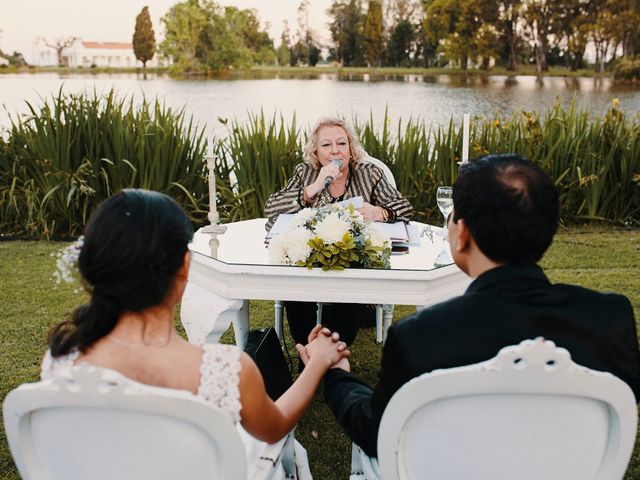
[(444, 196)]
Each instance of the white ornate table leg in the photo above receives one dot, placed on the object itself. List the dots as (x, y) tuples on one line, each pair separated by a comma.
[(277, 311), (206, 316), (379, 328), (388, 317)]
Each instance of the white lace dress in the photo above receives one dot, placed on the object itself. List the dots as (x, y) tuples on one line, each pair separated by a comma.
[(219, 380)]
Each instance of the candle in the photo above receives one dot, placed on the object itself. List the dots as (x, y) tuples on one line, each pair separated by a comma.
[(465, 137), (213, 229), (213, 208)]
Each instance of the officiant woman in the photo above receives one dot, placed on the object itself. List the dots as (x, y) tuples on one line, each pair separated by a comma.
[(332, 139)]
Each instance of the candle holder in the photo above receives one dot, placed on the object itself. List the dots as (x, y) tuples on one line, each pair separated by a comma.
[(213, 228)]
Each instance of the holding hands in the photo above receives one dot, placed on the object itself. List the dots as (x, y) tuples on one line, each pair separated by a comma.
[(324, 347)]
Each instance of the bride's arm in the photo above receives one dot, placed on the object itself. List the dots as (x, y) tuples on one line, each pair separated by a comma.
[(270, 421)]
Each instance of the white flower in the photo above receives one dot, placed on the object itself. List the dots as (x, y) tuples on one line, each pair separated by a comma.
[(278, 249), (332, 228), (302, 217), (378, 235), (290, 247), (328, 225), (67, 262), (298, 248)]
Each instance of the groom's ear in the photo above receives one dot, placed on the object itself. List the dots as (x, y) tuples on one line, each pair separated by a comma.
[(463, 237)]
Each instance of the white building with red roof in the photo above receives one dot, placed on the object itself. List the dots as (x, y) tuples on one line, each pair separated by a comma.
[(105, 54)]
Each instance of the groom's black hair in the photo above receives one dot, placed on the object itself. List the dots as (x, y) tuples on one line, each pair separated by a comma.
[(510, 206)]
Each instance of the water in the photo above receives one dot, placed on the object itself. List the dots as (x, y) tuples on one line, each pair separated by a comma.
[(445, 205), (433, 99)]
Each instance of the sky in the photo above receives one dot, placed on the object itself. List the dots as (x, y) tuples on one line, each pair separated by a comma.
[(23, 21)]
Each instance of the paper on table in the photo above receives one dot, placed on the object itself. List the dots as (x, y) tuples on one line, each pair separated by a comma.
[(281, 225), (397, 231), (357, 202), (414, 234)]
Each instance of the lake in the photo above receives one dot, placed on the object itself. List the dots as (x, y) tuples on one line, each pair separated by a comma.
[(431, 98)]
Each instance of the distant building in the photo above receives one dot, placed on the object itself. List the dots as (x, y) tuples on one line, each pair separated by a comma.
[(105, 54)]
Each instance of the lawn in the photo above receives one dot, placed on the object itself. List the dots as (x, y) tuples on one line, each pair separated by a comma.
[(31, 302)]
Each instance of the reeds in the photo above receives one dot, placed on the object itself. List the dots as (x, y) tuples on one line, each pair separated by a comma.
[(252, 162), (74, 151), (66, 157)]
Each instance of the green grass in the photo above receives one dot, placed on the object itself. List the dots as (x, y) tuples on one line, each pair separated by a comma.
[(31, 303)]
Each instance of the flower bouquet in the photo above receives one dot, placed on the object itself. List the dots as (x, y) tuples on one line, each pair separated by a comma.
[(333, 237)]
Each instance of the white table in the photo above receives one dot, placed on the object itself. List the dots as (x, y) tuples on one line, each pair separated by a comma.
[(219, 288)]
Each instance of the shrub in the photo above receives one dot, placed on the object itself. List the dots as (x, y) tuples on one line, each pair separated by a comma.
[(58, 164), (65, 158), (627, 70)]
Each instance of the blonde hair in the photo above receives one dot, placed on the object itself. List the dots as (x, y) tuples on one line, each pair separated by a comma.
[(311, 147)]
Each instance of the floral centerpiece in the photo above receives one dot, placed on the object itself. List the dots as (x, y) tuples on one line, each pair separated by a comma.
[(333, 237)]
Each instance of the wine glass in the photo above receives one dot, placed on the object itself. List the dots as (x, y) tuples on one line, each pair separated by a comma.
[(444, 196)]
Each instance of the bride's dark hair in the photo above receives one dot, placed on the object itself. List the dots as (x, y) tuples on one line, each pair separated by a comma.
[(134, 245)]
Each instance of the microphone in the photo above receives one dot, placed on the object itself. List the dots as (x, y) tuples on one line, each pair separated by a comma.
[(338, 163)]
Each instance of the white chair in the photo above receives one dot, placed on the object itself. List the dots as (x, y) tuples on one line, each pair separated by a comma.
[(529, 413), (95, 423), (384, 313)]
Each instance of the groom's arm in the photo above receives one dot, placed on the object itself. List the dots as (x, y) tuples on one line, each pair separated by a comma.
[(357, 407)]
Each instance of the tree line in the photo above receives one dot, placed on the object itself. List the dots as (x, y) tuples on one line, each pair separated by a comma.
[(201, 35), (465, 33)]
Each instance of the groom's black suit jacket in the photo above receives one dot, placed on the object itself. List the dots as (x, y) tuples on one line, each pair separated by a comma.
[(501, 307)]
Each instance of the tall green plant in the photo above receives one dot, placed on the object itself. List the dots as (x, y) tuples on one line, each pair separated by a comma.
[(593, 161), (255, 160), (78, 149)]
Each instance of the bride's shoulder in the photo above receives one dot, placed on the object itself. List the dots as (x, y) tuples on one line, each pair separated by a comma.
[(50, 363)]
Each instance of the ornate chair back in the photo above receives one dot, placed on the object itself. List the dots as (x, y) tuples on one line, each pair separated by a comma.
[(528, 413), (94, 423)]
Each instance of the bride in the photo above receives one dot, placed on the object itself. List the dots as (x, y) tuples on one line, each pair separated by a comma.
[(134, 262)]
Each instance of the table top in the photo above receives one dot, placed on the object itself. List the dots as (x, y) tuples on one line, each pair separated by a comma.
[(241, 270), (243, 244)]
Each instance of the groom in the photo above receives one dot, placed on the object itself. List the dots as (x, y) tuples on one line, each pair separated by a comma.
[(504, 219)]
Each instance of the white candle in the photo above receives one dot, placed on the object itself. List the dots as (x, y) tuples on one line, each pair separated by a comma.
[(213, 208), (213, 228), (465, 137)]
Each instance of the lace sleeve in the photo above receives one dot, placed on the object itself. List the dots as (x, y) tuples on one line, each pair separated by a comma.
[(220, 377), (50, 365)]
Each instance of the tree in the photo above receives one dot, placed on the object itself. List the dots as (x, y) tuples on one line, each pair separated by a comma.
[(439, 21), (603, 32), (486, 44), (284, 50), (346, 31), (400, 43), (507, 27), (373, 34), (221, 43), (183, 25), (202, 36), (247, 25), (314, 54), (540, 17), (574, 18), (144, 38), (627, 32), (59, 44)]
